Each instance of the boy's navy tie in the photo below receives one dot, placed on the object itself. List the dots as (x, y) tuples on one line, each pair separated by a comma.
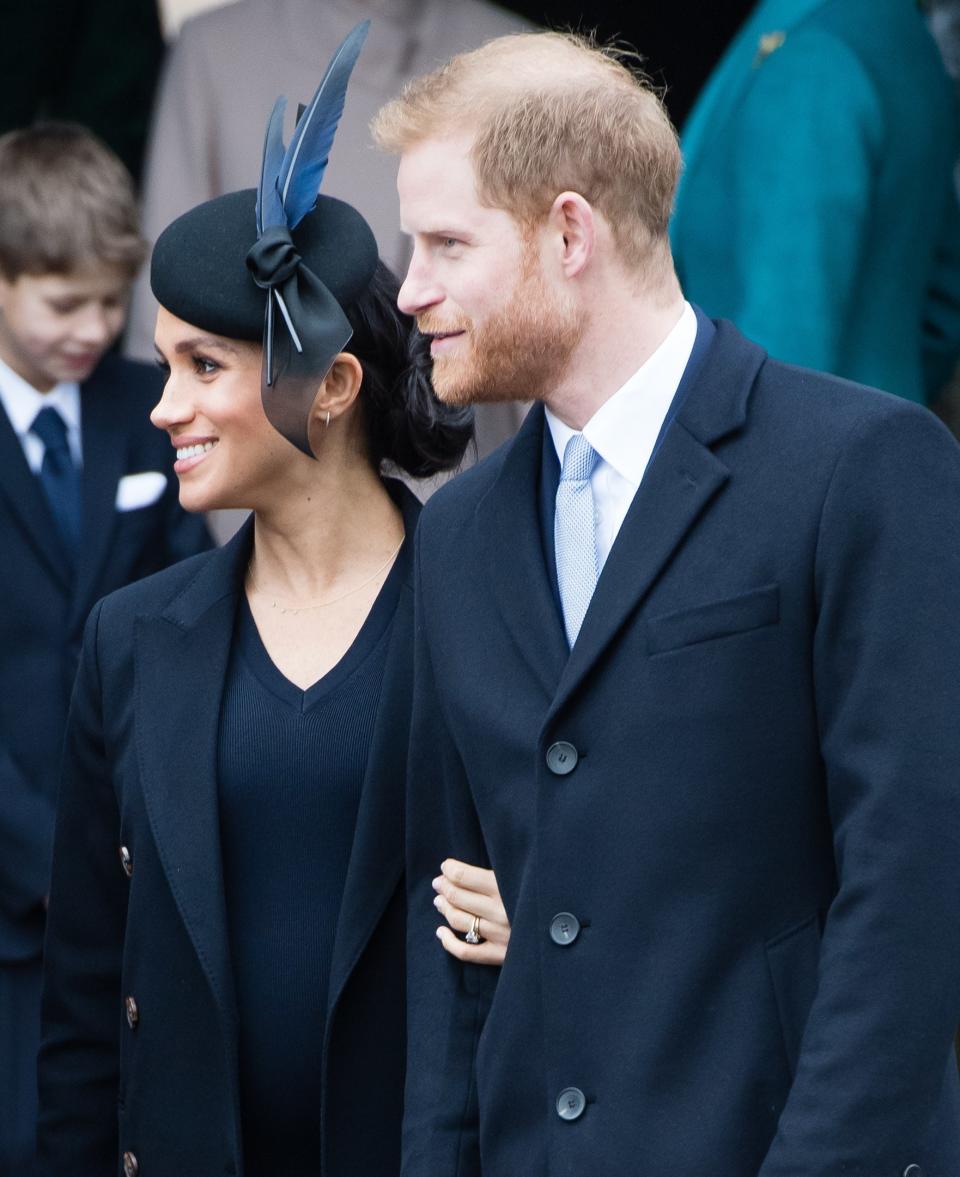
[(574, 533), (59, 476)]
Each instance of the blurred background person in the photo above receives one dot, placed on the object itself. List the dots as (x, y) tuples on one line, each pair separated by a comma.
[(94, 62), (87, 503), (817, 208)]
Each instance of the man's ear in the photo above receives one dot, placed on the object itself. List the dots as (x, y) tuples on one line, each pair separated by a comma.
[(571, 218)]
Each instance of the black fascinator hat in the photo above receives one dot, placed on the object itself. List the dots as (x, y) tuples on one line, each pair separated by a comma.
[(278, 263)]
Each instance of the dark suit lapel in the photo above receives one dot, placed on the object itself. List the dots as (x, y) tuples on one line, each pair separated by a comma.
[(509, 538), (22, 489), (104, 435), (682, 479), (181, 664)]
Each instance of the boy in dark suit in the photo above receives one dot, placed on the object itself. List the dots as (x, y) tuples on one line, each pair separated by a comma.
[(87, 504)]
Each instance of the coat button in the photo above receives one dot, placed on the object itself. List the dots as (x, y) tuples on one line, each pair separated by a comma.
[(913, 1171), (571, 1103), (562, 758), (564, 928), (126, 861), (133, 1014), (131, 1166)]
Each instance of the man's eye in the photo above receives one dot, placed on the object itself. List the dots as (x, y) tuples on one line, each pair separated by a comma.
[(450, 242), (63, 308)]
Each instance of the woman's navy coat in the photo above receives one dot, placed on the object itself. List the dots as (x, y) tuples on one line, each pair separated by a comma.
[(137, 906)]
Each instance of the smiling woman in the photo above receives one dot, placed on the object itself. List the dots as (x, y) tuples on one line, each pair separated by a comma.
[(228, 869)]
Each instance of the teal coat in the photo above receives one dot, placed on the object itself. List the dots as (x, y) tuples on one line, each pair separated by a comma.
[(817, 209)]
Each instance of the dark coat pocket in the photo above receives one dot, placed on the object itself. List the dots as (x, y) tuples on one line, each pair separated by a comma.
[(794, 961), (715, 619)]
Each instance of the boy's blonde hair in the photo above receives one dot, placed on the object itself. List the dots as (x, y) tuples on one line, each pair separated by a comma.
[(66, 202), (552, 112)]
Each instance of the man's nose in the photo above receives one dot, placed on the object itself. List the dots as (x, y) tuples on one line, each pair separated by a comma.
[(419, 290)]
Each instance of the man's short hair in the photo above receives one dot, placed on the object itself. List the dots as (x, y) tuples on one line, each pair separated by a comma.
[(552, 112), (66, 202)]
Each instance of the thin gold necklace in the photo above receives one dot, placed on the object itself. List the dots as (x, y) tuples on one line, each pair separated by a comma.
[(275, 604)]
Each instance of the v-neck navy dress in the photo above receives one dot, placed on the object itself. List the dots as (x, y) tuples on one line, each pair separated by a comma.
[(291, 766)]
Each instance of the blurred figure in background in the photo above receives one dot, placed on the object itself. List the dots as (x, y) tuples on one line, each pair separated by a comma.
[(226, 68), (817, 209), (87, 503), (94, 62)]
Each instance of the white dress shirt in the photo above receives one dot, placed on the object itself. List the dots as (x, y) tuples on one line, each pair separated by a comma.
[(22, 402), (625, 429)]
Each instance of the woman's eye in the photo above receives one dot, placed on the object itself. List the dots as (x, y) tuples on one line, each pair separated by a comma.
[(205, 367)]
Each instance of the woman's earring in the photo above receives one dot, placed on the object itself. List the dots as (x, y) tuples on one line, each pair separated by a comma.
[(328, 418)]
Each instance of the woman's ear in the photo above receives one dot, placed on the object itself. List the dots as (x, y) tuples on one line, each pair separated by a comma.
[(335, 398), (339, 389)]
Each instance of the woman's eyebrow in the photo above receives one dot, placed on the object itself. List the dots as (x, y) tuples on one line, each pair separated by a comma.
[(207, 341)]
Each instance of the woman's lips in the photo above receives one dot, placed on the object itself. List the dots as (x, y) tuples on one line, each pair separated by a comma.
[(191, 452)]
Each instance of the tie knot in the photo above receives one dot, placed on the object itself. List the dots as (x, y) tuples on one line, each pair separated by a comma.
[(579, 459), (51, 428)]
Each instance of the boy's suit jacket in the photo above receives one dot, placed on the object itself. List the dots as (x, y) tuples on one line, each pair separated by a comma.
[(44, 604), (817, 209), (140, 772), (725, 825)]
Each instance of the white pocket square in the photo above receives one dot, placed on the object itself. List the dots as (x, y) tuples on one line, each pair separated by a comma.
[(140, 490)]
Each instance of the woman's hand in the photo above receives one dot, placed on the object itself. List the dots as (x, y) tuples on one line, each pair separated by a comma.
[(463, 893)]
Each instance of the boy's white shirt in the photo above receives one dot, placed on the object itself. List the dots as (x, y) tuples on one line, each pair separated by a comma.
[(22, 402)]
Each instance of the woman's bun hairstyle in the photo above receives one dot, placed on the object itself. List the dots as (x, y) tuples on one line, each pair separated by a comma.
[(407, 425)]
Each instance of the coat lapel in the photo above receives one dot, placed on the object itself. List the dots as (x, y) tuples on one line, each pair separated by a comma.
[(22, 489), (510, 541), (181, 664), (681, 480), (376, 859), (105, 446)]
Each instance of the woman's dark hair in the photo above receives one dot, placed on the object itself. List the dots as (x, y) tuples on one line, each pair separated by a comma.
[(406, 424)]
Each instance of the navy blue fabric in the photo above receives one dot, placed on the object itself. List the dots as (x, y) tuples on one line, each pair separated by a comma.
[(141, 761), (290, 769), (59, 477), (19, 1039), (44, 601), (758, 837)]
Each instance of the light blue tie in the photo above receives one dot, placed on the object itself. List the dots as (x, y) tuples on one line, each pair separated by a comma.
[(574, 533)]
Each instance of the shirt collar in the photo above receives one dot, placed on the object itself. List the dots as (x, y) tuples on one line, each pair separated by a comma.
[(625, 428), (22, 401)]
